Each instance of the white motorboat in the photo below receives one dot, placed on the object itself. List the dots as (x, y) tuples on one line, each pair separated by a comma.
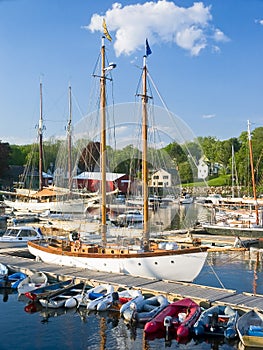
[(187, 199), (130, 217), (18, 236)]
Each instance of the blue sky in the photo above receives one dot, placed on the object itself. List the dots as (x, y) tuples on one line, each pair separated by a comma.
[(206, 61)]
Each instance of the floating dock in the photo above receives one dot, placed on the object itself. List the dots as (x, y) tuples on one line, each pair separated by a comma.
[(20, 260)]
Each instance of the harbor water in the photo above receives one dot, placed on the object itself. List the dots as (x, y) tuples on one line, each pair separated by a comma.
[(26, 326)]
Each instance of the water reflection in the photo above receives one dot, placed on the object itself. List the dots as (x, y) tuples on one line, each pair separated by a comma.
[(81, 329), (178, 217), (232, 270)]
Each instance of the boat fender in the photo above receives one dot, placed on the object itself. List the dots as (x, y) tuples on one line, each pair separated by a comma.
[(77, 244)]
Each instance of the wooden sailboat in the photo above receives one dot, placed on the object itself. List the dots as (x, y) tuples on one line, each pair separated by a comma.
[(147, 260), (50, 198)]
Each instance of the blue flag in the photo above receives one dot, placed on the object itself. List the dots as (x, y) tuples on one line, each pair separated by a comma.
[(148, 50)]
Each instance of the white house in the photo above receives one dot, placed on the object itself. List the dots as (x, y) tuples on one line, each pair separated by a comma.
[(206, 168), (161, 178), (203, 168)]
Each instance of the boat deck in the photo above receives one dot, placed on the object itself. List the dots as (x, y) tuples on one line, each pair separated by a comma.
[(18, 259)]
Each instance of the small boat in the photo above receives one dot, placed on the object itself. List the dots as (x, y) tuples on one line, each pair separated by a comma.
[(136, 299), (217, 320), (103, 302), (43, 292), (141, 311), (3, 270), (250, 329), (13, 280), (111, 300), (176, 318), (83, 298), (128, 295), (31, 282), (130, 217), (19, 236), (58, 298), (186, 199)]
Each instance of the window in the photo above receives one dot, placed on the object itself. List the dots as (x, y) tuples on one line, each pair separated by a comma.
[(23, 233)]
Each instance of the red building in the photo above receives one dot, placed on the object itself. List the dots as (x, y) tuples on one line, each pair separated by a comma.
[(91, 181)]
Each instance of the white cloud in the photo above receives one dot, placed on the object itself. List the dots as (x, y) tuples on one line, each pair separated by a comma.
[(208, 116), (161, 22), (260, 21), (220, 36)]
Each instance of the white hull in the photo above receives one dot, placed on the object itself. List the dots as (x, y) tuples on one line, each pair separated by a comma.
[(175, 267), (12, 244), (33, 206)]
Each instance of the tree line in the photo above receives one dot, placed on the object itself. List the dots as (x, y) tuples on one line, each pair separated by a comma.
[(230, 155)]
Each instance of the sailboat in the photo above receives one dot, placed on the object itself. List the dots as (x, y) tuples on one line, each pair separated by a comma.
[(248, 223), (27, 199), (52, 198), (145, 260)]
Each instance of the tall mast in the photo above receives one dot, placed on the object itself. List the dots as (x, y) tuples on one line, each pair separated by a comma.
[(103, 144), (252, 171), (233, 176), (40, 135), (69, 142), (144, 157)]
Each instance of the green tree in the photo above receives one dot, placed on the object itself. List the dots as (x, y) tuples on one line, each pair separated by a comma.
[(5, 151), (185, 172), (209, 147), (176, 152)]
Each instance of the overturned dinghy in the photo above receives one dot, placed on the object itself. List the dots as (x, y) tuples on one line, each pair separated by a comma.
[(12, 281), (142, 311), (31, 282)]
